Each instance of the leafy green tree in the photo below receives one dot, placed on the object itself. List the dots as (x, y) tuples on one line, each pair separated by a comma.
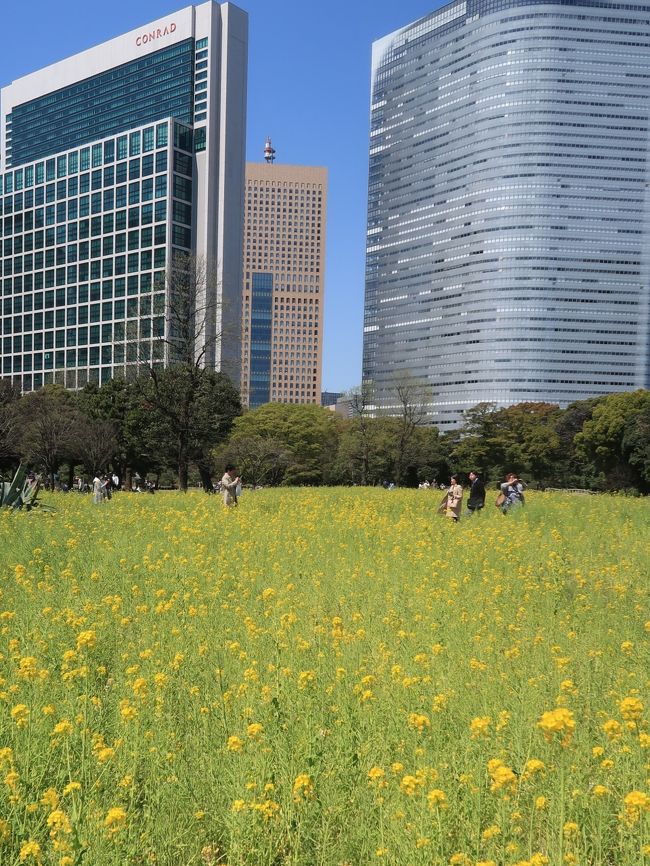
[(612, 435), (572, 470), (636, 445), (261, 460), (366, 450), (530, 443), (309, 433), (191, 410), (520, 438), (411, 399), (9, 397), (49, 427), (120, 403)]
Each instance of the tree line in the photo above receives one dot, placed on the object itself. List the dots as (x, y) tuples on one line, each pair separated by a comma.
[(185, 423)]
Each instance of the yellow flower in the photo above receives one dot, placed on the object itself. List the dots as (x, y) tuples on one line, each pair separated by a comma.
[(436, 798), (30, 849), (140, 687), (534, 765), (570, 829), (502, 776), (6, 756), (303, 788), (558, 721), (418, 722), (600, 791), (20, 714), (479, 726), (541, 803), (459, 859), (86, 640), (27, 669), (305, 678), (238, 806), (491, 832), (234, 744), (631, 709), (104, 754), (268, 809), (58, 822), (115, 819), (255, 730), (636, 802), (11, 779), (613, 729), (410, 785), (127, 710), (376, 776), (50, 799), (71, 787), (63, 727)]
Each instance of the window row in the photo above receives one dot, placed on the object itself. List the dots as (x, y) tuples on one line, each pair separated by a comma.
[(134, 239), (96, 270), (92, 356), (104, 153), (83, 314), (109, 333)]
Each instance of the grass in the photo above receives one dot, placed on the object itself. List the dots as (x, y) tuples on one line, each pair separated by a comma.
[(324, 677)]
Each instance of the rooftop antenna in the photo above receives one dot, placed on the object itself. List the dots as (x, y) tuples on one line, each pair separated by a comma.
[(269, 152)]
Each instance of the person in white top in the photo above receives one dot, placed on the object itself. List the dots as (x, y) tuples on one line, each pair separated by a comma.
[(98, 496), (229, 487)]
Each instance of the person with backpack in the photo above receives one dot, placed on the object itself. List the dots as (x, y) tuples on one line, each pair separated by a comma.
[(512, 494)]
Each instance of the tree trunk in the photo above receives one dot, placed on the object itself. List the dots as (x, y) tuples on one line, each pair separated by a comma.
[(206, 477), (183, 469)]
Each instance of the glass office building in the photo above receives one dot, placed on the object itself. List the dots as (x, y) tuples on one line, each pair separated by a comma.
[(107, 173), (508, 238)]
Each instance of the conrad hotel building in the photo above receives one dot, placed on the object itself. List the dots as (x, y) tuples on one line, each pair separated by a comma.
[(508, 238), (112, 163)]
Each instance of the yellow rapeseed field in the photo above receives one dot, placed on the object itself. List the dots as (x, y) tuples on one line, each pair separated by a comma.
[(324, 678)]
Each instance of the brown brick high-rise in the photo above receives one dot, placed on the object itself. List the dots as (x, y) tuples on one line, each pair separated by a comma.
[(284, 267)]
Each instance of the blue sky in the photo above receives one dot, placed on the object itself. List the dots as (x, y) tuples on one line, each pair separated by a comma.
[(308, 88)]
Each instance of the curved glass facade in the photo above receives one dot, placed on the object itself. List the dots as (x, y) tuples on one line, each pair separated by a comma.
[(508, 205)]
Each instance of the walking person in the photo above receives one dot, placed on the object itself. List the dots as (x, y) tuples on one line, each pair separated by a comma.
[(512, 493), (98, 494), (229, 487), (476, 500), (451, 504)]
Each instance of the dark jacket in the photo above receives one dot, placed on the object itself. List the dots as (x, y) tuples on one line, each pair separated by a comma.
[(476, 495)]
